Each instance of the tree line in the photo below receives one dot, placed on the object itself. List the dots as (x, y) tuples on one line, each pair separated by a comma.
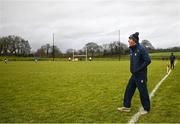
[(93, 49), (112, 49), (48, 50), (14, 45), (17, 46)]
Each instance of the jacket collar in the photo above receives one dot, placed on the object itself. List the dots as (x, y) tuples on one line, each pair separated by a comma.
[(132, 49)]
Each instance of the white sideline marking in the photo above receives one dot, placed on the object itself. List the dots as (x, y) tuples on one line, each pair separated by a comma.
[(136, 116)]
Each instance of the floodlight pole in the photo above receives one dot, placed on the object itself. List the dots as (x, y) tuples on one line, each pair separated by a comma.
[(86, 53), (119, 46), (53, 47), (73, 54)]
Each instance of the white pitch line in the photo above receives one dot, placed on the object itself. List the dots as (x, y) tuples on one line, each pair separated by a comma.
[(136, 116)]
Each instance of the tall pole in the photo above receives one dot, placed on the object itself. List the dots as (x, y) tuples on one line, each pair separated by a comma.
[(53, 47), (86, 53), (119, 46), (73, 54)]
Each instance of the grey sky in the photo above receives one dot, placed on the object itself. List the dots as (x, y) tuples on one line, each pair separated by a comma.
[(76, 22)]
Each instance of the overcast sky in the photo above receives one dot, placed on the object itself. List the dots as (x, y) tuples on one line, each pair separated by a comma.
[(76, 22)]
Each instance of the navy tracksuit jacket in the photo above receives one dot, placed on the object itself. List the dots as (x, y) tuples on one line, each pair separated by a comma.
[(139, 60)]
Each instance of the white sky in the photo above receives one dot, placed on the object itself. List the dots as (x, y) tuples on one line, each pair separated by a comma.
[(76, 22)]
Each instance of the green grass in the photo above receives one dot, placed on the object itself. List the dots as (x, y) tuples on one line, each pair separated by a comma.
[(164, 54), (166, 103), (16, 58), (158, 55), (71, 91)]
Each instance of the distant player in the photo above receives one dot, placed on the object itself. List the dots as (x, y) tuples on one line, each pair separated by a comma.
[(172, 60), (5, 60), (36, 60), (69, 58), (90, 59)]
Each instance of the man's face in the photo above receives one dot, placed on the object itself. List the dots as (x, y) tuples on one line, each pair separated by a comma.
[(131, 42)]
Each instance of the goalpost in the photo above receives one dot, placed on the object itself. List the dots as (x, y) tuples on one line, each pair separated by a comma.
[(79, 55)]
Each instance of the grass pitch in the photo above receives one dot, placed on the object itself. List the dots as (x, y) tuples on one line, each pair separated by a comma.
[(80, 92)]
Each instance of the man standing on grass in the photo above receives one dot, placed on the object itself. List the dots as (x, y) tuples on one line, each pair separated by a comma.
[(139, 60), (172, 59)]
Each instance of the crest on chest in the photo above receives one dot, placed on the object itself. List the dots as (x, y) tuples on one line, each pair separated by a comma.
[(135, 53)]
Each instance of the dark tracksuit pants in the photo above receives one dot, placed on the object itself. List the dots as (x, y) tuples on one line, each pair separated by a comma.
[(172, 64), (141, 84)]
